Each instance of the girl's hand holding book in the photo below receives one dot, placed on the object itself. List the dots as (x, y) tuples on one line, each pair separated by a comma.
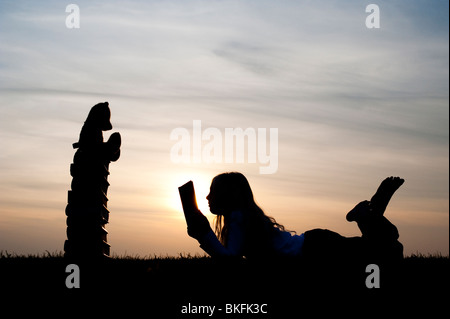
[(198, 225)]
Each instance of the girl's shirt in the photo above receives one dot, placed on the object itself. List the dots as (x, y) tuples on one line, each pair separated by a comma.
[(283, 244)]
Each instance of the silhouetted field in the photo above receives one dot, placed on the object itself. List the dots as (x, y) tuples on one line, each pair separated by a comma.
[(162, 286)]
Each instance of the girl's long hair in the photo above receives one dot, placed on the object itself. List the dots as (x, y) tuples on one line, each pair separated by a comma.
[(236, 194)]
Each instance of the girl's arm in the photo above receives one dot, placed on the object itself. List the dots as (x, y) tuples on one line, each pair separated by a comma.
[(235, 243)]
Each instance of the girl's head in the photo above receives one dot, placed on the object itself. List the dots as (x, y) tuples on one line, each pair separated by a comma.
[(229, 192)]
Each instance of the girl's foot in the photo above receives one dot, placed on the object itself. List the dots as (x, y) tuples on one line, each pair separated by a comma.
[(387, 188), (360, 210)]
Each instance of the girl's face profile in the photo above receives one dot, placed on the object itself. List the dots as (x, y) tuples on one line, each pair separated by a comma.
[(214, 201)]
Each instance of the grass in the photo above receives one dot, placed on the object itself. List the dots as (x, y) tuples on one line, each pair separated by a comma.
[(166, 283), (4, 254)]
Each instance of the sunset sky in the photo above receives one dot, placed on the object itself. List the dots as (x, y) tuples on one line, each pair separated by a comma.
[(352, 106)]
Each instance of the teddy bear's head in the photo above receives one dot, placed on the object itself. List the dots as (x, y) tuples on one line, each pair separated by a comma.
[(99, 116)]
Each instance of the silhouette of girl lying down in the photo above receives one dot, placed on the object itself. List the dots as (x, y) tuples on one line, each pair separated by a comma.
[(243, 229)]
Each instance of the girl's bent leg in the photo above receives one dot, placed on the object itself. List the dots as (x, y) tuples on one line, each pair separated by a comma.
[(326, 245)]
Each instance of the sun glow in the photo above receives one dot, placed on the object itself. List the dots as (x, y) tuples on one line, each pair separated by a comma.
[(202, 182)]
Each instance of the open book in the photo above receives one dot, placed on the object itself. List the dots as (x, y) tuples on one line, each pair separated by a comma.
[(188, 200)]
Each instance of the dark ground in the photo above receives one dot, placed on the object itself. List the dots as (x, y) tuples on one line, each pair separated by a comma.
[(160, 287)]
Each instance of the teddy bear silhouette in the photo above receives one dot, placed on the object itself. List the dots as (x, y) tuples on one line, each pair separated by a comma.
[(86, 211)]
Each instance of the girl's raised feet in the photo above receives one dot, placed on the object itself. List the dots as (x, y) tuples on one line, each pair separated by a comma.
[(358, 212), (381, 199)]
